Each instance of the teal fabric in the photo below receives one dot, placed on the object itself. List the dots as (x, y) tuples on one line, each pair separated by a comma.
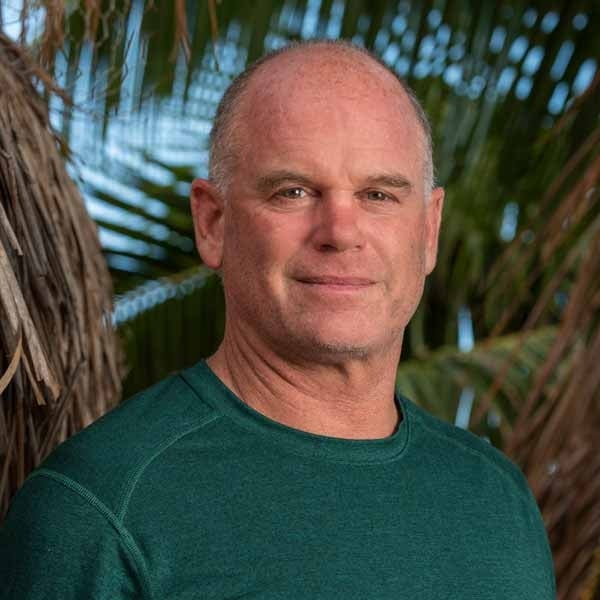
[(184, 491)]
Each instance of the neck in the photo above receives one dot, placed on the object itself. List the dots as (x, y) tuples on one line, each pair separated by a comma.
[(352, 399)]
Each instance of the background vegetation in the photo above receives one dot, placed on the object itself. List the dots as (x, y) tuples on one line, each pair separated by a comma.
[(507, 339)]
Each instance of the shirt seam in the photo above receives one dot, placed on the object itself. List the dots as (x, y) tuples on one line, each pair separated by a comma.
[(318, 456), (314, 456), (123, 533), (139, 470), (523, 495)]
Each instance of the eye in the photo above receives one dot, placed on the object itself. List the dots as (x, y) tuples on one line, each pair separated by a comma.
[(295, 193), (378, 196)]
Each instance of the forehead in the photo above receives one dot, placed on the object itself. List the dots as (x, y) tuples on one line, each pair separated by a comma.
[(308, 90)]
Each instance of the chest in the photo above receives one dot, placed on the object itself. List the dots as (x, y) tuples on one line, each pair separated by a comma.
[(310, 534)]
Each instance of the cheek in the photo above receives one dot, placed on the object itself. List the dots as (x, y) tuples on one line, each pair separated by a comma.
[(402, 247), (404, 265), (256, 250)]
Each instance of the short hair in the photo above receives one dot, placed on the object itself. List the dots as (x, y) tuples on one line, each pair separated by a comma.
[(223, 146)]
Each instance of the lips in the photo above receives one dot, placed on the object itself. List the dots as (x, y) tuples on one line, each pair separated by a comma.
[(336, 280)]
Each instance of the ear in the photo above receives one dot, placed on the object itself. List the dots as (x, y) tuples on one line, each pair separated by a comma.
[(207, 212), (433, 220)]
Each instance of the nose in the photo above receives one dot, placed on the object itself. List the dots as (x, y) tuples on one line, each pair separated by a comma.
[(337, 224)]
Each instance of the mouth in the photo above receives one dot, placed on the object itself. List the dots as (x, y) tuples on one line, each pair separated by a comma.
[(336, 283)]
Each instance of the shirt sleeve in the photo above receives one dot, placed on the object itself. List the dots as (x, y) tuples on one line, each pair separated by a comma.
[(59, 541), (545, 549), (541, 544)]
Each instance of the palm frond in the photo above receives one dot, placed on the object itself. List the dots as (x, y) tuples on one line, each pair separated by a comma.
[(55, 289)]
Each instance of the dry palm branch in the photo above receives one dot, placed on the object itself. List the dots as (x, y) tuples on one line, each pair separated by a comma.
[(556, 434), (60, 362)]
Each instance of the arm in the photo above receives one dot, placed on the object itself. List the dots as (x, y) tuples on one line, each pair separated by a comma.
[(60, 541)]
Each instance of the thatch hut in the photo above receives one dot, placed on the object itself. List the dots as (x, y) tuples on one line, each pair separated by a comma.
[(60, 364)]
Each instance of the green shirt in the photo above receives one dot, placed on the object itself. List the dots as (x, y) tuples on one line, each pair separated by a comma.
[(184, 491)]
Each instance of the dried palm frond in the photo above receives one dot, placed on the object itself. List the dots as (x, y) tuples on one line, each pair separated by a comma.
[(60, 363), (556, 435)]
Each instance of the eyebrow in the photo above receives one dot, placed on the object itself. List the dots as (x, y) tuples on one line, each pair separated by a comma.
[(394, 180), (270, 181)]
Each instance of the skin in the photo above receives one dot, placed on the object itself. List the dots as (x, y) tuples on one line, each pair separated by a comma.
[(324, 239)]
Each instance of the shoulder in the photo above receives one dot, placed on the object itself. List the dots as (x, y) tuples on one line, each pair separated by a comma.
[(58, 542), (467, 450), (67, 521), (105, 459), (482, 476)]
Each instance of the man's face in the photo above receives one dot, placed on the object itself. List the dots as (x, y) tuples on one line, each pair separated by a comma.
[(327, 234)]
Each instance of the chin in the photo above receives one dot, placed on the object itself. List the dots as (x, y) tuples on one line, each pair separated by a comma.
[(332, 348), (342, 349), (329, 354), (336, 336)]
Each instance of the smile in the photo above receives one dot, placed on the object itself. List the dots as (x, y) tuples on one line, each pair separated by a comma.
[(336, 283)]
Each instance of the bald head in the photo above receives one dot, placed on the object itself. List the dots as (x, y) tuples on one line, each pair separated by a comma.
[(338, 57)]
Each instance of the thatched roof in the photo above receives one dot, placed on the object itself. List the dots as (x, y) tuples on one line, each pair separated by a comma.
[(60, 359)]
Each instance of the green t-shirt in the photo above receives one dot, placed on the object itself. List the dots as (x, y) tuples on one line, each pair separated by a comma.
[(184, 491)]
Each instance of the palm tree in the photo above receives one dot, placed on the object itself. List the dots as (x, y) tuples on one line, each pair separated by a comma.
[(507, 334)]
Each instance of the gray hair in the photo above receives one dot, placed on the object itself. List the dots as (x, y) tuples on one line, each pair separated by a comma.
[(223, 146)]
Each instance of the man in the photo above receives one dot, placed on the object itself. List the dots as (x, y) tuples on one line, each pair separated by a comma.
[(285, 466)]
